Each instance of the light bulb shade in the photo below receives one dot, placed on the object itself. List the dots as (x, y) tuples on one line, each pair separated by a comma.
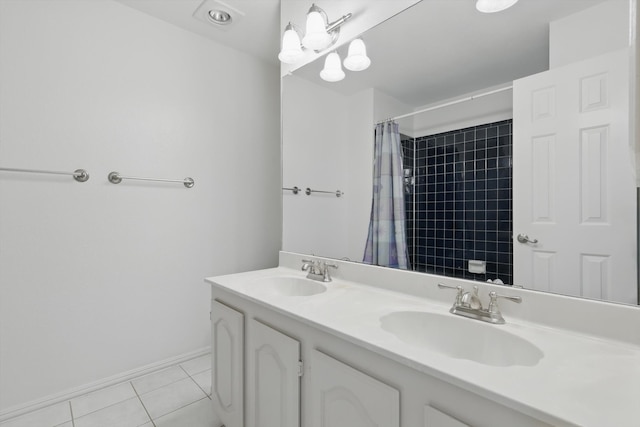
[(357, 59), (316, 36), (332, 71), (491, 6), (291, 50)]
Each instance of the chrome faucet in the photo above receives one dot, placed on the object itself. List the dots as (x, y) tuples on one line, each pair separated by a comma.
[(317, 270), (469, 305)]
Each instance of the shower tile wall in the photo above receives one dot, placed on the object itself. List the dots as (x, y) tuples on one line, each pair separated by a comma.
[(459, 201)]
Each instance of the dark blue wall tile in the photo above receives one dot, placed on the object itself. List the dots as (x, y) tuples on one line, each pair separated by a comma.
[(465, 175)]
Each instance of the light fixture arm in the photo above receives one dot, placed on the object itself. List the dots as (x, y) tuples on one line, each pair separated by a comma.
[(336, 24)]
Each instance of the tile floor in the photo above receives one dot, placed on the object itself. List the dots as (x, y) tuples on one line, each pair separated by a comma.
[(178, 396)]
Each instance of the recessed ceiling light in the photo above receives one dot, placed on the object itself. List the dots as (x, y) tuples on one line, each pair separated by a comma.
[(220, 17)]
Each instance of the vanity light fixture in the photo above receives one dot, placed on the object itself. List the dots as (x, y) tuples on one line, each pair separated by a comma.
[(316, 37), (357, 59), (319, 35), (291, 49), (332, 71), (491, 6)]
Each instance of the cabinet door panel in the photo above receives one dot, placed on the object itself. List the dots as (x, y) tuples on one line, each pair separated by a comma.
[(343, 396), (435, 418), (274, 383), (227, 342)]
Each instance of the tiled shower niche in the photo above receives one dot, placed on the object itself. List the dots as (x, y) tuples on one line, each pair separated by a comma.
[(458, 196)]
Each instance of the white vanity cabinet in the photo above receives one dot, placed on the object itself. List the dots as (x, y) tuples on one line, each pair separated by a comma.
[(334, 394), (343, 384), (273, 377), (343, 396), (227, 367)]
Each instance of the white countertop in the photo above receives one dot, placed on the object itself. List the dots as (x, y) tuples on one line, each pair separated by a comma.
[(581, 380)]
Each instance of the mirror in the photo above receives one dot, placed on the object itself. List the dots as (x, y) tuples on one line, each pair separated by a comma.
[(442, 52)]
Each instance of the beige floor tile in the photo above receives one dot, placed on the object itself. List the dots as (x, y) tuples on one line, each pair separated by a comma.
[(158, 379), (199, 414), (96, 400), (204, 381), (171, 397), (129, 413), (195, 366), (46, 417)]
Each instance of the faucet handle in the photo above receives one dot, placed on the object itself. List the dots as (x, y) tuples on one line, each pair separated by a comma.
[(326, 276), (493, 301), (310, 265), (458, 288)]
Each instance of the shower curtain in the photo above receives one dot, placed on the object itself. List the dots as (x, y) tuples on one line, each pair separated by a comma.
[(387, 240)]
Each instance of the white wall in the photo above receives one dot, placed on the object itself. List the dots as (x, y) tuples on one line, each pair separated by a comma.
[(314, 155), (487, 109), (592, 32), (360, 176), (97, 279)]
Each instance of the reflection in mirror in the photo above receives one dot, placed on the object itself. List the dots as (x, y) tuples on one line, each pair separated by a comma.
[(531, 184)]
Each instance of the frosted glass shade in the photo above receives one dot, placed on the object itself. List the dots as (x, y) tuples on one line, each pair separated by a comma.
[(357, 59), (332, 71), (491, 6), (316, 36), (291, 50)]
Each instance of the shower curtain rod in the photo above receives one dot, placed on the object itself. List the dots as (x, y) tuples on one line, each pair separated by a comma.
[(447, 104)]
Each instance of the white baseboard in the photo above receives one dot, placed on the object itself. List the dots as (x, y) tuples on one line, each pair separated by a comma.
[(22, 409)]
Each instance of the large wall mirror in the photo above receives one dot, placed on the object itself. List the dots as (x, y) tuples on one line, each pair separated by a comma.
[(521, 167)]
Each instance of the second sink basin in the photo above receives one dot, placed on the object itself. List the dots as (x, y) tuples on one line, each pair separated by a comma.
[(461, 338), (288, 286)]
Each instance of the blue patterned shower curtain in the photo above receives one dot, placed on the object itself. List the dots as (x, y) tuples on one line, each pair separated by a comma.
[(387, 240)]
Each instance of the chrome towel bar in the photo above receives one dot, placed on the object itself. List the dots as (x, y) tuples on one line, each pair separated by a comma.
[(116, 178), (79, 175), (294, 190), (308, 191)]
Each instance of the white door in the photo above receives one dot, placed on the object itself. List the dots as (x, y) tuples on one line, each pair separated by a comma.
[(273, 372), (227, 342), (574, 182), (344, 397)]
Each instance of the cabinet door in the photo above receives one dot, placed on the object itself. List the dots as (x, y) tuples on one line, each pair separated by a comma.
[(343, 396), (273, 378), (435, 418), (227, 347)]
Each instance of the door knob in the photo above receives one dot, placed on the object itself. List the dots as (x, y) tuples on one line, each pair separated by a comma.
[(523, 238)]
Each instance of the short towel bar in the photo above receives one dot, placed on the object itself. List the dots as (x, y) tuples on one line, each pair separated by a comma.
[(308, 191), (116, 178)]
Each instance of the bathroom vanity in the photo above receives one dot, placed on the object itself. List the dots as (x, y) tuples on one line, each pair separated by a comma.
[(378, 347)]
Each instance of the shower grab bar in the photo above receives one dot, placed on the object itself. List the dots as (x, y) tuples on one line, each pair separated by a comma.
[(79, 175), (337, 193), (116, 178)]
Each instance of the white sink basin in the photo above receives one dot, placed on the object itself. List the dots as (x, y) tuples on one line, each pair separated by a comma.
[(288, 286), (462, 338)]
